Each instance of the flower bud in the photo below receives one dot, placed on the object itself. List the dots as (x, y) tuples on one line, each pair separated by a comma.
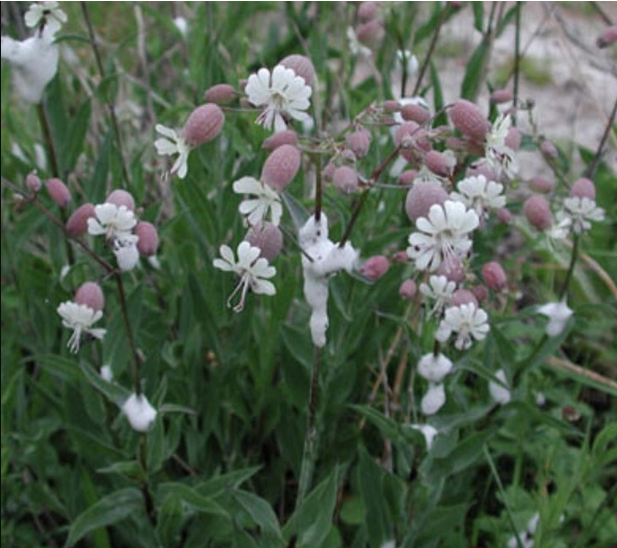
[(367, 11), (90, 294), (481, 169), (148, 242), (359, 142), (480, 292), (494, 276), (77, 224), (408, 289), (287, 137), (345, 179), (469, 119), (400, 257), (375, 267), (302, 66), (328, 171), (549, 149), (371, 33), (538, 212), (541, 184), (281, 167), (503, 215), (439, 163), (33, 183), (220, 94), (463, 296), (421, 197), (583, 188), (407, 177), (415, 113), (266, 237), (59, 192), (348, 158), (121, 197), (513, 139), (453, 269), (500, 96), (203, 124), (608, 37), (391, 106)]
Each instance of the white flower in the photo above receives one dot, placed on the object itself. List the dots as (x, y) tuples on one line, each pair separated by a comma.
[(126, 252), (500, 393), (429, 433), (281, 93), (500, 157), (171, 143), (139, 412), (439, 289), (106, 373), (558, 315), (253, 270), (266, 201), (581, 211), (480, 194), (48, 13), (115, 222), (80, 319), (34, 62), (412, 66), (561, 229), (434, 399), (526, 539), (434, 368), (467, 320), (355, 47), (443, 234)]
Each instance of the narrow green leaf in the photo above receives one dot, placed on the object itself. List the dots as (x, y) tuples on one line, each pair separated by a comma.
[(473, 74), (113, 392), (262, 514), (478, 16), (192, 498)]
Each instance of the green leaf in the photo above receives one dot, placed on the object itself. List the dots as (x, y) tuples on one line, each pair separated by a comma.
[(130, 468), (109, 510), (262, 514), (438, 101), (370, 479), (76, 138), (478, 15), (311, 522), (473, 74), (231, 480), (113, 392), (192, 498)]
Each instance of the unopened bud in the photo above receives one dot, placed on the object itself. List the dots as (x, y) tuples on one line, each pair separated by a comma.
[(503, 215), (328, 171), (345, 179), (481, 169), (583, 188), (453, 269), (77, 224), (463, 296), (415, 113), (220, 94), (538, 212), (121, 197), (469, 119), (359, 142), (203, 124), (302, 66), (513, 139), (286, 137), (33, 183), (480, 292), (266, 237), (608, 37), (90, 294), (407, 177), (367, 11), (421, 197), (500, 96), (549, 149), (439, 163), (148, 242), (371, 33), (494, 276), (281, 167), (59, 192), (391, 106), (408, 289), (541, 184), (375, 267)]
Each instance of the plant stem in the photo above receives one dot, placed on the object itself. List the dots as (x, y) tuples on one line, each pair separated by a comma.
[(136, 360), (517, 57), (49, 143), (145, 488), (602, 13), (566, 283), (591, 170), (318, 186), (110, 105), (431, 48), (311, 439)]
